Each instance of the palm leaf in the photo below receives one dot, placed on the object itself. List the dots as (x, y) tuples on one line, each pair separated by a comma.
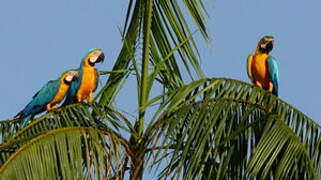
[(94, 116), (210, 128), (280, 144), (7, 128), (152, 30), (67, 153), (216, 137), (127, 53)]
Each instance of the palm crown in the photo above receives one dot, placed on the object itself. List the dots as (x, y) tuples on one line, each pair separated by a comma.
[(201, 129)]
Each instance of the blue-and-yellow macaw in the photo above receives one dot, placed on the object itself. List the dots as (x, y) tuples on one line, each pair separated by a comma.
[(262, 68), (48, 96), (83, 88)]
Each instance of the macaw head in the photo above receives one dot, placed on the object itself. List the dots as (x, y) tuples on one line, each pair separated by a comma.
[(92, 57), (265, 45), (69, 76)]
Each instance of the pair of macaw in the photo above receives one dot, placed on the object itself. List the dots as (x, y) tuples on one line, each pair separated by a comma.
[(262, 68), (76, 85)]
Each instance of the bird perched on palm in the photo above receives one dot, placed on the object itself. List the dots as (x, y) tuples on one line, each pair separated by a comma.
[(52, 93), (85, 86), (262, 68)]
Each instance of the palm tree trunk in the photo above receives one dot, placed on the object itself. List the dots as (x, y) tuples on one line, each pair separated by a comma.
[(137, 167)]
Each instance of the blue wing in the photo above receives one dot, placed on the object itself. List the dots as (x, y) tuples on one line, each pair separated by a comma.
[(274, 74), (38, 104), (73, 89)]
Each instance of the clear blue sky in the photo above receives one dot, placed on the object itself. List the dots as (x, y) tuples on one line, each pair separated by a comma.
[(237, 25), (40, 39)]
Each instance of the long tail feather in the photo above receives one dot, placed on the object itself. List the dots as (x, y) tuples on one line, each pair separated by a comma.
[(18, 116), (275, 92)]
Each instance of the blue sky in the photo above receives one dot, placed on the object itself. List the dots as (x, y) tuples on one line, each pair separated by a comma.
[(236, 26), (41, 39)]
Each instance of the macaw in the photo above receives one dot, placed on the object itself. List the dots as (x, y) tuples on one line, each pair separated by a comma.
[(83, 88), (262, 68), (52, 93)]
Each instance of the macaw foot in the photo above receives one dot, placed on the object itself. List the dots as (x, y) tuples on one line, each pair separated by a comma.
[(50, 107), (79, 99), (259, 84), (91, 100), (54, 107), (270, 89)]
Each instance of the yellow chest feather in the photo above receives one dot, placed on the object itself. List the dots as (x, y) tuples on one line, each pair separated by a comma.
[(60, 94), (260, 67), (88, 82)]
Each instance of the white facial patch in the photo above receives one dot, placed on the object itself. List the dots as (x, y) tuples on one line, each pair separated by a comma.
[(93, 59), (69, 78), (95, 55), (263, 46)]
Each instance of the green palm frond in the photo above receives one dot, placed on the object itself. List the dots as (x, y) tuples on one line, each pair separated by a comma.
[(220, 128), (67, 153), (198, 128), (153, 31), (7, 128), (126, 54), (220, 135), (280, 144), (85, 115), (97, 116), (163, 24)]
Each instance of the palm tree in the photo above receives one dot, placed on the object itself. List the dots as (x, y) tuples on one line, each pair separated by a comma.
[(192, 128)]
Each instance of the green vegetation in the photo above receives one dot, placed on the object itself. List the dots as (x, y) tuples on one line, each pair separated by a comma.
[(201, 129)]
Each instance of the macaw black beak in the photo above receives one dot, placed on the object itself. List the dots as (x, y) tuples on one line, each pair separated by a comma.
[(266, 45), (101, 58), (269, 46), (76, 77)]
